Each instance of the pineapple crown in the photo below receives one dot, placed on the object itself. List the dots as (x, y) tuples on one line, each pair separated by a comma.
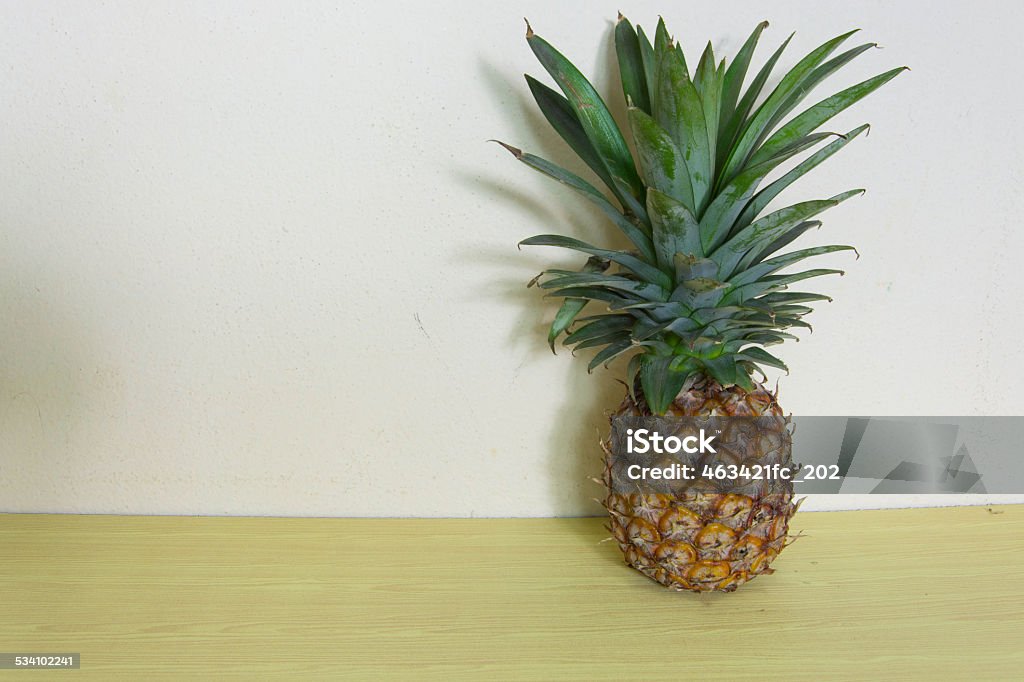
[(700, 293)]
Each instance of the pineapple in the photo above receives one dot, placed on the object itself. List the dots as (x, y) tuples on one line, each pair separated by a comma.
[(704, 287)]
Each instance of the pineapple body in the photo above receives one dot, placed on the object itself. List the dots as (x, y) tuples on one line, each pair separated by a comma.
[(706, 541)]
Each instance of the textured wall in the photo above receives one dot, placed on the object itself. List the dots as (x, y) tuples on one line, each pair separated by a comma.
[(261, 260)]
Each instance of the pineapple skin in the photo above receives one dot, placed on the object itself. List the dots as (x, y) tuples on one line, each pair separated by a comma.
[(701, 541)]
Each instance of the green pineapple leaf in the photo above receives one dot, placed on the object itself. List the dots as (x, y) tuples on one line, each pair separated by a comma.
[(674, 227), (706, 287), (763, 197), (758, 124), (767, 267), (705, 70), (650, 73), (794, 297), (717, 222), (647, 272), (571, 307), (609, 353), (661, 161), (645, 290), (601, 326), (823, 111), (593, 114), (762, 232), (634, 231), (631, 64), (787, 238), (679, 110), (609, 296), (746, 105), (560, 114), (661, 383), (726, 371), (761, 357), (567, 312), (732, 85), (813, 80)]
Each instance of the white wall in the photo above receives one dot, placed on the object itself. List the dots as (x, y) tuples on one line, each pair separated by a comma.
[(258, 258)]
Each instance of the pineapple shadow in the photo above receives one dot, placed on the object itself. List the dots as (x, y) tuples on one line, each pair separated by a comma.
[(576, 458), (574, 455)]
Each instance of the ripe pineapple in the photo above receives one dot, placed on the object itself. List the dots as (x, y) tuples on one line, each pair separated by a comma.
[(699, 296)]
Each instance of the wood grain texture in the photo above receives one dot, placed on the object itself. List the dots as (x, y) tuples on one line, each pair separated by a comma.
[(903, 594)]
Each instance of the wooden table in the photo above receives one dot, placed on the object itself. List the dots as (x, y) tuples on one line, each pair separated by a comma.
[(910, 594)]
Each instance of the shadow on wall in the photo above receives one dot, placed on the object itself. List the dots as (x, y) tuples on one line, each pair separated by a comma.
[(574, 451), (42, 356)]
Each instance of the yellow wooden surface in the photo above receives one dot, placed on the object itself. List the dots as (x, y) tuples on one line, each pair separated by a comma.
[(910, 594)]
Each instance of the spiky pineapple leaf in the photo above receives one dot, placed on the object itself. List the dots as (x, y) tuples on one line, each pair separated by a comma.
[(661, 383), (631, 64), (717, 221), (705, 67), (813, 80), (649, 64), (823, 111), (662, 46), (794, 310), (604, 340), (772, 283), (759, 356), (757, 125), (645, 290), (764, 231), (706, 316), (567, 312), (727, 372), (646, 328), (762, 198), (691, 266), (740, 250), (679, 110), (659, 310), (601, 326), (739, 119), (661, 161), (593, 114), (674, 228), (732, 85), (794, 297), (767, 267), (701, 292), (609, 353), (562, 117), (571, 307), (634, 231), (769, 338), (609, 296), (709, 84), (786, 238), (785, 280), (644, 270)]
